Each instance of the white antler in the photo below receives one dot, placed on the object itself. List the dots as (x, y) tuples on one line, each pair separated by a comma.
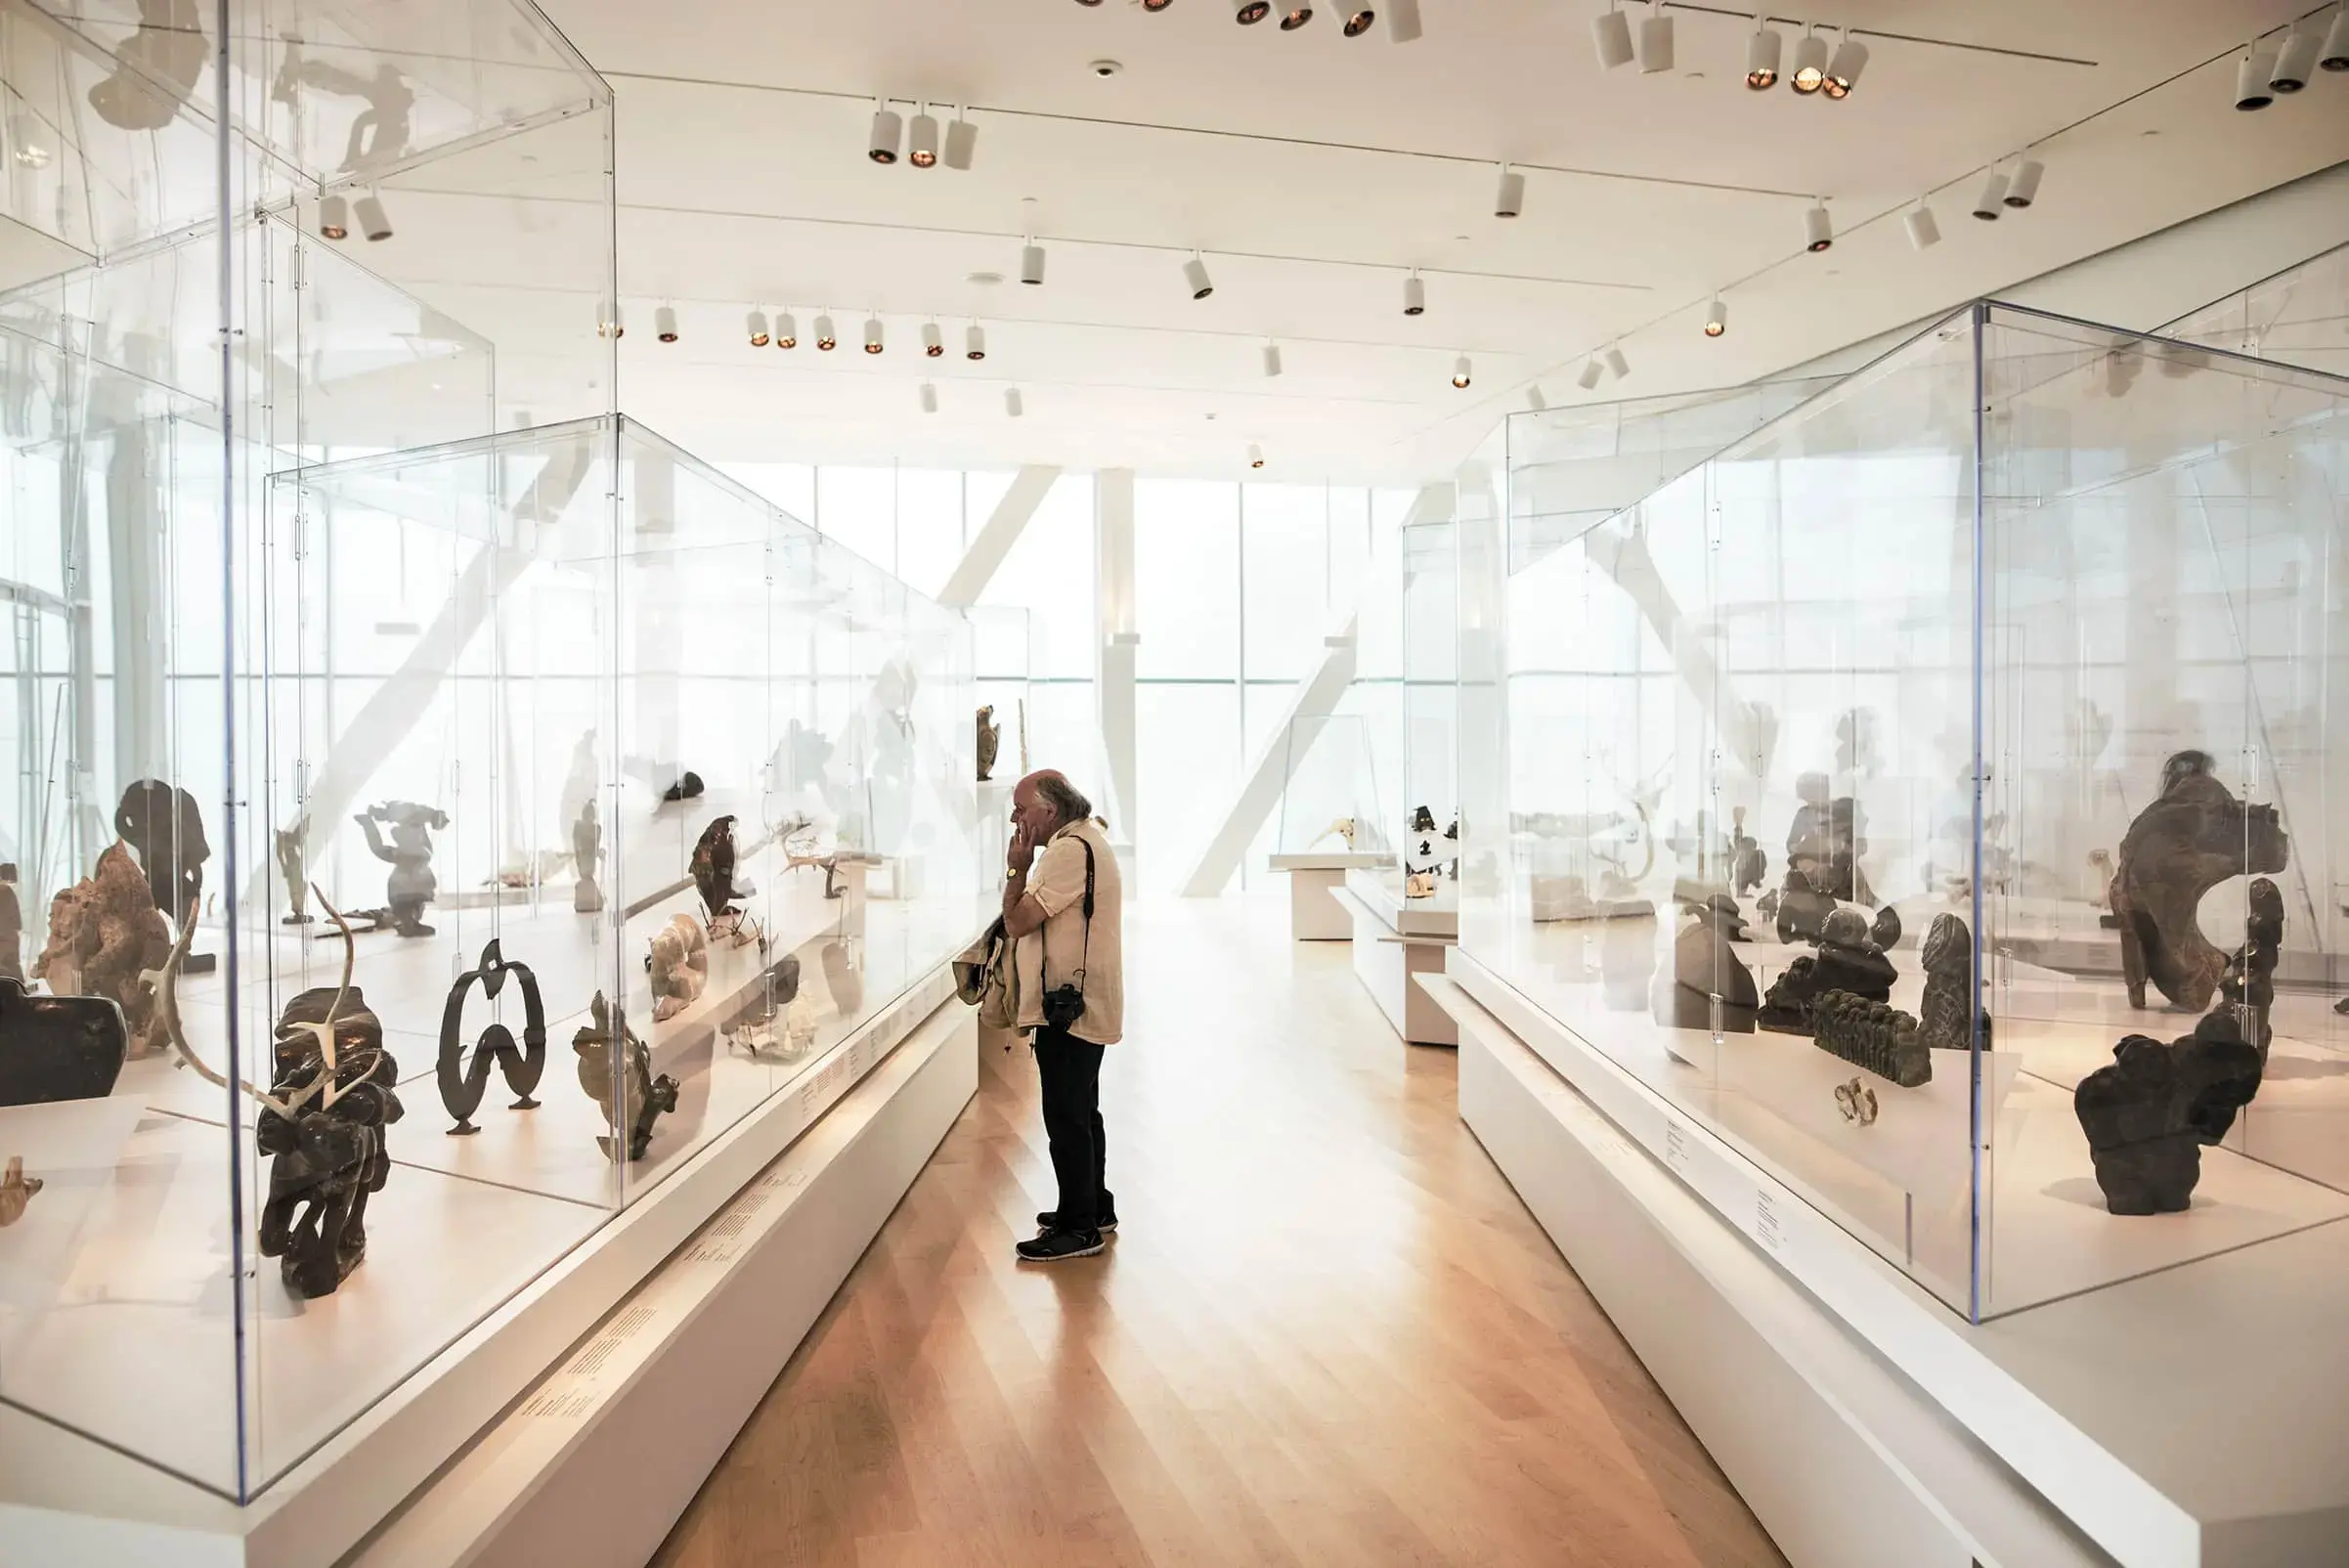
[(165, 983)]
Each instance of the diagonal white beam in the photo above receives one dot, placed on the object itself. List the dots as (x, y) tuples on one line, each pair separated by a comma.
[(995, 541)]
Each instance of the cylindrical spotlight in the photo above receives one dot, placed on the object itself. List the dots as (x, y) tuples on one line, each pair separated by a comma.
[(1154, 5), (607, 320), (1402, 22), (1088, 2), (787, 330), (1763, 54), (335, 216), (1923, 232), (930, 397), (2335, 56), (2294, 61), (1011, 404), (975, 343), (934, 341), (1195, 272), (1415, 296), (1810, 65), (1459, 372), (1655, 41), (664, 324), (1509, 199), (1358, 20), (1717, 318), (1271, 358), (1592, 372), (2252, 89), (1031, 263), (962, 140), (872, 334), (826, 338), (886, 128), (1851, 59), (1616, 362), (921, 141), (2024, 189), (1817, 233), (373, 222), (1248, 13), (753, 327), (1611, 36), (1256, 456), (1993, 197), (1295, 15)]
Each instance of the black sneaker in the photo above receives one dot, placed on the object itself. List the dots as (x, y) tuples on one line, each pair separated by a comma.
[(1049, 1220), (1054, 1246)]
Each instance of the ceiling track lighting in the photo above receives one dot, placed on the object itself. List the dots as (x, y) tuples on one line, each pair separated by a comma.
[(1655, 41), (930, 397), (1818, 232), (1256, 456), (664, 324), (872, 334), (2252, 89), (1194, 274), (1611, 36), (1358, 21), (1810, 65), (1031, 263), (975, 343), (787, 332), (826, 339), (1011, 404), (1295, 15), (1415, 296), (1764, 51), (1401, 21), (1272, 360), (1509, 199), (1616, 362), (335, 216), (1154, 7), (753, 327), (881, 148), (1851, 59), (962, 140), (1460, 373), (921, 139), (934, 341), (2294, 61), (607, 320), (1248, 13), (1592, 372), (2334, 55), (2023, 187), (373, 222), (1924, 232), (1987, 205), (1717, 318)]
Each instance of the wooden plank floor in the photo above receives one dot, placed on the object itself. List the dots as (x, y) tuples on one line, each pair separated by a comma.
[(1327, 1334)]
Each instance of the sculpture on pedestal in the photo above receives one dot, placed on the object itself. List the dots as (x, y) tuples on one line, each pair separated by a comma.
[(2247, 985), (463, 1086), (1707, 974), (2192, 838), (679, 966), (166, 832), (2149, 1113), (1874, 1035), (411, 884), (615, 1070), (1945, 1018), (587, 858), (104, 935), (990, 738)]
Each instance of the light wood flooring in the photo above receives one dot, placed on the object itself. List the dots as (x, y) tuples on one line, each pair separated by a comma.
[(1327, 1334)]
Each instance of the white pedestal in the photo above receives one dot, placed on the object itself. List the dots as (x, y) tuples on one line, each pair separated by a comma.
[(1314, 915), (1395, 941)]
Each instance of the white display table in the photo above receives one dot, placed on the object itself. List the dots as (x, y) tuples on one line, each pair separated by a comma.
[(1314, 915), (1395, 941)]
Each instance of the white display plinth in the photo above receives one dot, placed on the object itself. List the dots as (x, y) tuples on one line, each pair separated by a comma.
[(1396, 940), (1314, 915)]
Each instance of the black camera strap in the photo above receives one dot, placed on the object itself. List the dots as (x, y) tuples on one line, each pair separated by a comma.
[(1084, 957)]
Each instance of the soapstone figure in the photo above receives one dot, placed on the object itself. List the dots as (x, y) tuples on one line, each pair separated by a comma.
[(1706, 972), (1943, 1016), (330, 1156), (2148, 1114), (290, 868), (587, 858), (1874, 1035), (2185, 843), (679, 966), (56, 1048), (2247, 985), (105, 932), (615, 1070), (166, 832), (411, 884), (991, 739), (1846, 960)]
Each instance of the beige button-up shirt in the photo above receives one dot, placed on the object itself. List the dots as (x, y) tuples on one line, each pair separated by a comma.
[(1054, 954)]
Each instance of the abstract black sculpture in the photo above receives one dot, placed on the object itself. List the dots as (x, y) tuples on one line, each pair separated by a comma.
[(1874, 1035), (166, 832), (1942, 1016), (413, 884), (2190, 840), (2149, 1113), (626, 1088), (1846, 961), (464, 1084), (1707, 974), (56, 1048)]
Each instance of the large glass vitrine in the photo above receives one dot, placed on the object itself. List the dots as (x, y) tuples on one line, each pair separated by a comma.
[(1930, 793)]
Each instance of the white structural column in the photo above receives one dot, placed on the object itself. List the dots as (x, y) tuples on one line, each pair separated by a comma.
[(1117, 644), (994, 540)]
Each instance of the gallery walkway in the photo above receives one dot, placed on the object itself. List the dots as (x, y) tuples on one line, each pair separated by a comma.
[(1327, 1334)]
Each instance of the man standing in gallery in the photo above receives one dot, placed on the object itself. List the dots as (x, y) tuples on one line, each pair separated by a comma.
[(1063, 901)]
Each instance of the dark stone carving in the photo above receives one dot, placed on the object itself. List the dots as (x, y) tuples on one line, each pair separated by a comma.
[(1846, 961), (413, 884), (104, 934), (57, 1047), (688, 788), (1423, 820), (328, 1154), (1885, 933), (1825, 843), (463, 1086), (712, 869), (1706, 971), (587, 858), (758, 1020), (1874, 1035), (1748, 862), (626, 1088), (2190, 840), (2247, 985), (166, 832), (1801, 911), (990, 740), (12, 926), (2149, 1113), (1947, 957)]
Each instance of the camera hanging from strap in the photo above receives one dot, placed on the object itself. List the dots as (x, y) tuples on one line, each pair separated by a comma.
[(1065, 1004)]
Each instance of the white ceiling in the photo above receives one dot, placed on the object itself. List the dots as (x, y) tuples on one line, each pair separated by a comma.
[(1314, 170)]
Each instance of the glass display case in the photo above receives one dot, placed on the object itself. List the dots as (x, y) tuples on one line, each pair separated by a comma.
[(1929, 793), (1330, 804), (2296, 316), (1406, 690)]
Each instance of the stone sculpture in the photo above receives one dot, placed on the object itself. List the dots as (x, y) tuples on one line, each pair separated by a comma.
[(166, 832), (2149, 1113), (1884, 931), (2192, 838), (758, 1025), (1705, 974), (679, 966), (12, 926), (2247, 985), (990, 740), (289, 866), (686, 788), (1801, 911), (1874, 1035), (462, 1083), (1857, 1102), (1342, 829), (586, 858), (1825, 845), (713, 866), (1943, 1015), (413, 884), (1748, 862), (56, 1048), (104, 933), (17, 1191), (1846, 960), (615, 1070)]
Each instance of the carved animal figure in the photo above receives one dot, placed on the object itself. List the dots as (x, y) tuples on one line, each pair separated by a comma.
[(617, 1074), (2149, 1113), (679, 966), (104, 934), (2187, 842)]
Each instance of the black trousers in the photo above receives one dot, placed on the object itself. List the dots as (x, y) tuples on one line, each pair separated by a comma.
[(1071, 1073)]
